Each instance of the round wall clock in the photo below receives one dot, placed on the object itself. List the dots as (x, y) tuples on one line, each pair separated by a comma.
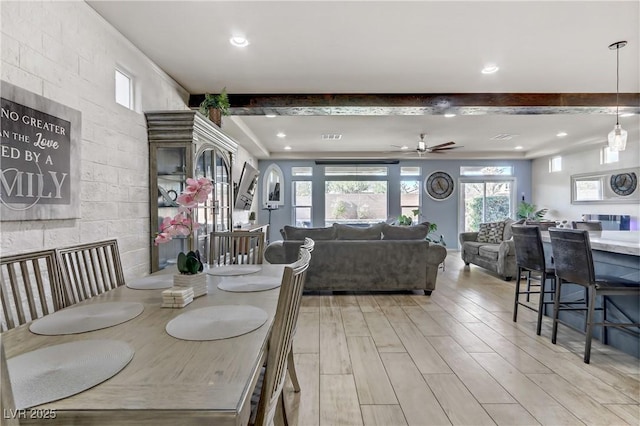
[(624, 183), (439, 185)]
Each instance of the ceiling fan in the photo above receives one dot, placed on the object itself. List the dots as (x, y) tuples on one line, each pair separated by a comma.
[(422, 147)]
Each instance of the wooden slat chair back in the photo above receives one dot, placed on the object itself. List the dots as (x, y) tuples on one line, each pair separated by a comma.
[(90, 269), (236, 248), (308, 245), (8, 412), (29, 287), (281, 339)]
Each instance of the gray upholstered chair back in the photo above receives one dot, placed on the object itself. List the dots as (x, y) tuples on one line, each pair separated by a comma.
[(589, 226), (572, 255), (528, 244)]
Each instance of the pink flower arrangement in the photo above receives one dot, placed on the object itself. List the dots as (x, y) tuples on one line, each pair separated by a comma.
[(196, 192)]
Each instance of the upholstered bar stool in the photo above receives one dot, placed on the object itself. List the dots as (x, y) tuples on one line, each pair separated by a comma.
[(530, 259), (574, 264)]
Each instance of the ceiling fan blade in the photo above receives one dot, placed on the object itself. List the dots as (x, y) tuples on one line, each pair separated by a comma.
[(446, 149), (441, 145)]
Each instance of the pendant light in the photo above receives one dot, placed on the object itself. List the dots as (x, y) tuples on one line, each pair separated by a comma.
[(618, 136)]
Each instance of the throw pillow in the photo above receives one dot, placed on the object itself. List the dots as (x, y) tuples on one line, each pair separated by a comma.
[(347, 232), (490, 232), (418, 232), (298, 234)]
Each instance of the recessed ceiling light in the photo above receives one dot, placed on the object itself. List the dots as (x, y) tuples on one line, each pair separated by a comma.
[(239, 41), (627, 114), (287, 147), (490, 69), (270, 115), (449, 115), (517, 147), (561, 134), (281, 135)]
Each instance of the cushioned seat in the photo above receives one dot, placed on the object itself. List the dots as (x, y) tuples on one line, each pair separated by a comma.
[(489, 251), (491, 248)]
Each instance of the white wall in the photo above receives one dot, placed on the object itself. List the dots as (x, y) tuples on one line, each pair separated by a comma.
[(66, 52), (553, 190)]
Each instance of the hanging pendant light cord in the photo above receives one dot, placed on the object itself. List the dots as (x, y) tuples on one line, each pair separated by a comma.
[(617, 84)]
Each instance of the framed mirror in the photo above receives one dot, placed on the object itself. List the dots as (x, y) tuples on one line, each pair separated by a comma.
[(272, 186), (613, 186)]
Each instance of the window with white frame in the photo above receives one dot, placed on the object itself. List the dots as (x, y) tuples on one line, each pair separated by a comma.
[(555, 164), (301, 203), (607, 155), (486, 171), (124, 89)]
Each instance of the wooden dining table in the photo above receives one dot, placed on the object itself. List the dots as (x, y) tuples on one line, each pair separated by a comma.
[(169, 381)]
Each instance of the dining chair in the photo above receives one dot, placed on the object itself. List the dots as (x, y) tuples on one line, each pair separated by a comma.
[(588, 225), (236, 248), (530, 259), (308, 245), (90, 269), (574, 264), (29, 287), (8, 412), (281, 339)]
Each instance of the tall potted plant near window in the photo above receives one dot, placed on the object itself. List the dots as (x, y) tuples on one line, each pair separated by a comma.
[(215, 106)]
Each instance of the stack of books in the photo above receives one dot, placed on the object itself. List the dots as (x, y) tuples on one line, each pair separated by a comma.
[(199, 289), (177, 297)]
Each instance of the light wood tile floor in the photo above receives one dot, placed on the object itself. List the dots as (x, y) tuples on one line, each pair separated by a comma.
[(454, 357)]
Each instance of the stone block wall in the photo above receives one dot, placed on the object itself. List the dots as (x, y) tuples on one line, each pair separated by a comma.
[(66, 52)]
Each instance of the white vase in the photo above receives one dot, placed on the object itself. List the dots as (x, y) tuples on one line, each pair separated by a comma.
[(196, 281)]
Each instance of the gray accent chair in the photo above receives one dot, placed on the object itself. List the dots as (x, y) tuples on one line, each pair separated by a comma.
[(499, 257), (378, 257)]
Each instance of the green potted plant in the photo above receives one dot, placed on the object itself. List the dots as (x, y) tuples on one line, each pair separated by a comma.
[(530, 212), (215, 106)]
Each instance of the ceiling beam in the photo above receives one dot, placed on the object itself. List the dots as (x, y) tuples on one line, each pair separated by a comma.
[(428, 104)]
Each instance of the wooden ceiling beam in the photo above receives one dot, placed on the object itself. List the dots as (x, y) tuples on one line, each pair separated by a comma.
[(428, 104)]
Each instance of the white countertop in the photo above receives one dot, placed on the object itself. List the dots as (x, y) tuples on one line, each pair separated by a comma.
[(623, 242)]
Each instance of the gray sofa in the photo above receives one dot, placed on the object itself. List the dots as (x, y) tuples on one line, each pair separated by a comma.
[(378, 257), (494, 252)]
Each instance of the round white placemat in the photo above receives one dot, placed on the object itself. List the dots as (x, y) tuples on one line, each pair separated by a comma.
[(59, 371), (216, 322), (249, 283), (89, 317), (152, 282), (227, 270)]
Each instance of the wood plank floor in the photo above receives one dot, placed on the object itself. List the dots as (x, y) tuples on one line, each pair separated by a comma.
[(454, 357)]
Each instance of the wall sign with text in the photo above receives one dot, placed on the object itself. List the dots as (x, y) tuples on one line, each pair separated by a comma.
[(39, 157)]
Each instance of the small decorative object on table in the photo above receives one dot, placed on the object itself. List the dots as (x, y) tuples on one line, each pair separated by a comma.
[(190, 264), (177, 297)]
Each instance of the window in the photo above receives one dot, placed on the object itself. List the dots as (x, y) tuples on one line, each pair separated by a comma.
[(124, 90), (409, 171), (302, 203), (409, 197), (355, 171), (486, 171), (607, 155), (555, 164), (302, 171), (357, 201), (486, 201)]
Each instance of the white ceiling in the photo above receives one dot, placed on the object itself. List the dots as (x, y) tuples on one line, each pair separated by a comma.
[(395, 47)]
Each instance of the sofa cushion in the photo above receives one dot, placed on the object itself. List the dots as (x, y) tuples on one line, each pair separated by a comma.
[(347, 232), (472, 247), (491, 232), (489, 251), (418, 232), (295, 233)]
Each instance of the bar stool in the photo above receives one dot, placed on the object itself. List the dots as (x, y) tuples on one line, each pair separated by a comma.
[(530, 258), (574, 264)]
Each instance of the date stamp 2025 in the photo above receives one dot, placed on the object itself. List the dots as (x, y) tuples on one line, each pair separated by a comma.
[(12, 413)]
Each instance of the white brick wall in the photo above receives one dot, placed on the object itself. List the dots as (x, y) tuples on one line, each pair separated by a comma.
[(66, 52)]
